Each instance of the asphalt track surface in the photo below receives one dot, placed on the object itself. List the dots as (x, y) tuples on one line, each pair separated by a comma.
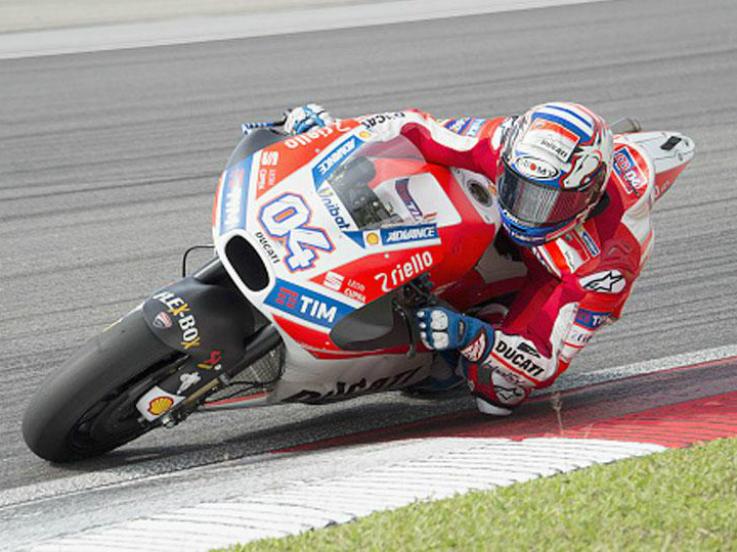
[(108, 163)]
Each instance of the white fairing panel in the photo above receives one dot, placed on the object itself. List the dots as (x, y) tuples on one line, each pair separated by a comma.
[(666, 151)]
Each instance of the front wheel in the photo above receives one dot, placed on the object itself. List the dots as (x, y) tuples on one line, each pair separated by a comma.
[(88, 407)]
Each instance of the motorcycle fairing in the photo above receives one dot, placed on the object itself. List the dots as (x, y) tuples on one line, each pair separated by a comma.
[(324, 260)]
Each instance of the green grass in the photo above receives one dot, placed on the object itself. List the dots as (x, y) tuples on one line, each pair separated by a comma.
[(679, 500)]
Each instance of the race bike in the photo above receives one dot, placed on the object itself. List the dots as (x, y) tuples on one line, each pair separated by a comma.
[(325, 242)]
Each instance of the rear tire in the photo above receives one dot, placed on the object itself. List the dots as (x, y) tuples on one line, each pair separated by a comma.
[(87, 407)]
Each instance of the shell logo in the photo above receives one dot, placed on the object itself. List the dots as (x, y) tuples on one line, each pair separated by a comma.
[(159, 405), (364, 134), (372, 238)]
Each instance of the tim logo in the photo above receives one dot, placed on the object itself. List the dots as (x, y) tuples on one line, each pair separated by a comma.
[(307, 304), (287, 298)]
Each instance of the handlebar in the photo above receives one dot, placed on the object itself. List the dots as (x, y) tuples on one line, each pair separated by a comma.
[(246, 128)]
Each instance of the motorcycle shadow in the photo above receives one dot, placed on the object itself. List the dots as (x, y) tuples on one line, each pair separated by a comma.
[(218, 437)]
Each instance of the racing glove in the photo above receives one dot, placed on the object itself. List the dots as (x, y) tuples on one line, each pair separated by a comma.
[(442, 329), (497, 393), (303, 118)]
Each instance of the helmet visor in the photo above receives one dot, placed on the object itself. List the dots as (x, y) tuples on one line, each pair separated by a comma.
[(536, 204)]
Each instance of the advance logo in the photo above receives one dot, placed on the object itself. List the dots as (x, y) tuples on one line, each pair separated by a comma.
[(420, 232), (306, 304), (332, 160), (397, 235)]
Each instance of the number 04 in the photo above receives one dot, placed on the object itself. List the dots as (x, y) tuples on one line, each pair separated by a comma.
[(286, 217)]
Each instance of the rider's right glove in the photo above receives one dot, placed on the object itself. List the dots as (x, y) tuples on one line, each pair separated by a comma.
[(442, 329), (303, 118)]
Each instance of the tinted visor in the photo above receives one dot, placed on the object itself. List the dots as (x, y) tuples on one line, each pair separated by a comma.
[(540, 205)]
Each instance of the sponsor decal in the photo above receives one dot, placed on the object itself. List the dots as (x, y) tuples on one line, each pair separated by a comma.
[(517, 358), (591, 319), (269, 158), (266, 179), (308, 137), (629, 172), (355, 290), (475, 350), (529, 349), (159, 405), (611, 281), (579, 338), (552, 137), (306, 304), (352, 288), (511, 378), (187, 381), (510, 396), (506, 391), (163, 321), (457, 125), (372, 238), (234, 193), (402, 188), (335, 208), (180, 312), (474, 127), (373, 120), (267, 173), (213, 362), (536, 168), (421, 232), (286, 217), (395, 235), (263, 241), (343, 390), (589, 242), (405, 271), (334, 158), (333, 280)]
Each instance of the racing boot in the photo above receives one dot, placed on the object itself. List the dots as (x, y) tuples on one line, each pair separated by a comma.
[(442, 379)]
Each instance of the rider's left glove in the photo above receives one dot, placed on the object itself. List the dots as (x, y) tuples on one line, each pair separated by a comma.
[(303, 118), (442, 329)]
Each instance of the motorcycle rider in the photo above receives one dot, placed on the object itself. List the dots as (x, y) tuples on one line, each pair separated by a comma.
[(577, 234)]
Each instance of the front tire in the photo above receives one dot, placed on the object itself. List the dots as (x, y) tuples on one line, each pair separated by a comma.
[(87, 407)]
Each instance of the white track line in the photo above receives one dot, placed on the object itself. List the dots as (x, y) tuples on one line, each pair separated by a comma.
[(438, 469), (206, 29), (574, 379)]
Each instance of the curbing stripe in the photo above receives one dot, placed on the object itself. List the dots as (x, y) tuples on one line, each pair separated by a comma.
[(437, 469)]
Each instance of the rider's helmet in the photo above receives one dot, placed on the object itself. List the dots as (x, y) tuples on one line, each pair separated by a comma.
[(555, 162)]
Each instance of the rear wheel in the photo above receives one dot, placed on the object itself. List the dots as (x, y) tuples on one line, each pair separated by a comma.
[(87, 407)]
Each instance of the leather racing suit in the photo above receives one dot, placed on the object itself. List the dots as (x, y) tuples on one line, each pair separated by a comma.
[(549, 301)]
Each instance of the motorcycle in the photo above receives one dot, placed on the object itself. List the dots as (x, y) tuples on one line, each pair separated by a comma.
[(325, 242)]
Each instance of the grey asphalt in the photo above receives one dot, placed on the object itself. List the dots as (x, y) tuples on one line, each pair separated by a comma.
[(108, 162)]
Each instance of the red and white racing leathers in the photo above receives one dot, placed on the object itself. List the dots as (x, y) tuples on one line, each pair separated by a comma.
[(561, 292)]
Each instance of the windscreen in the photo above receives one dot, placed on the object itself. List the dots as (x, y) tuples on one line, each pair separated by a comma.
[(360, 181)]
